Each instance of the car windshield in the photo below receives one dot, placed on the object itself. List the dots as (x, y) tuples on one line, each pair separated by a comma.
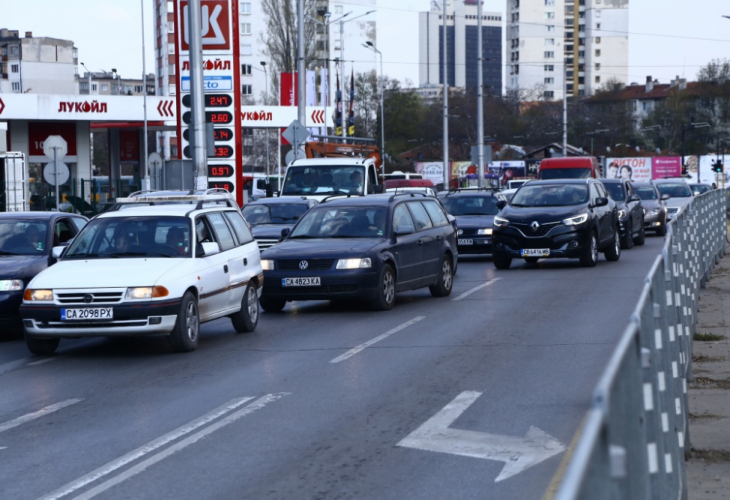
[(22, 237), (276, 213), (342, 222), (646, 193), (130, 237), (678, 190), (700, 188), (615, 191), (471, 205), (565, 173), (550, 195), (324, 180)]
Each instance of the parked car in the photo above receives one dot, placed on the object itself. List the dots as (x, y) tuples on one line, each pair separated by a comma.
[(571, 167), (679, 192), (630, 211), (557, 219), (268, 216), (508, 194), (26, 240), (474, 211), (655, 210), (147, 270), (700, 188), (366, 248)]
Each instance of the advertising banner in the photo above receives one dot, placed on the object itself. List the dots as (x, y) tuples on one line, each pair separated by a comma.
[(664, 167), (431, 170), (633, 169), (459, 168), (507, 170)]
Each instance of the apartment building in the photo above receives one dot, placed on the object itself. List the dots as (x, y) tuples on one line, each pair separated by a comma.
[(112, 83)]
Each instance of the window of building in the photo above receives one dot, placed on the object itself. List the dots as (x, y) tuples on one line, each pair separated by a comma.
[(549, 41), (247, 132), (338, 9), (95, 87), (549, 94), (634, 105), (138, 89), (549, 81), (246, 89), (171, 27), (246, 69), (597, 39), (171, 69), (549, 3), (550, 15), (173, 151), (549, 54), (550, 27), (170, 7), (581, 53), (16, 86), (246, 50), (598, 66), (582, 27), (245, 8), (549, 67), (105, 87), (598, 52), (172, 89), (13, 50), (598, 26), (14, 68), (170, 48), (598, 79), (598, 13), (248, 150), (245, 28)]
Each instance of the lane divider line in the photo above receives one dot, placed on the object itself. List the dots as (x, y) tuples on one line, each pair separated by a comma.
[(475, 289), (142, 466), (367, 344), (145, 449), (37, 414)]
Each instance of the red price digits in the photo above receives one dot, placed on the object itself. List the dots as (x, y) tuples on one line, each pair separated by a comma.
[(221, 171)]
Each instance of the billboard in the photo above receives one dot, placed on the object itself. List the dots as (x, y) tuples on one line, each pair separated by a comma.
[(664, 167), (633, 169), (431, 170)]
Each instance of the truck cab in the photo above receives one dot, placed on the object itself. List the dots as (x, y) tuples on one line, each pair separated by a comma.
[(318, 178)]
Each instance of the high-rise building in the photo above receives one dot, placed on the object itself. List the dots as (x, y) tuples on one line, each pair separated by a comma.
[(462, 46), (584, 41), (39, 65)]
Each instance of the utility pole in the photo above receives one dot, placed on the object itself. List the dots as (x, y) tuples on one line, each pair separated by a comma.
[(480, 98), (301, 73), (446, 103), (197, 97), (342, 72), (145, 169), (266, 103), (565, 106)]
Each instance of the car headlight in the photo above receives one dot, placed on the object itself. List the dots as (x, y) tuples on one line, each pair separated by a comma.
[(500, 222), (656, 211), (484, 232), (146, 292), (644, 211), (353, 264), (267, 265), (11, 285), (38, 295), (574, 221), (621, 214)]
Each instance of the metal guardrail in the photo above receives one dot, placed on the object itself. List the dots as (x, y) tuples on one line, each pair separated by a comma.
[(635, 438)]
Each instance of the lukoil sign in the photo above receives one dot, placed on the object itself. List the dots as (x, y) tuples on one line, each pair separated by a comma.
[(216, 25)]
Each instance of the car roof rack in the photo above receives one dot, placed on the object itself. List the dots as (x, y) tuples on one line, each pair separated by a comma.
[(341, 195), (412, 195), (213, 195), (471, 190)]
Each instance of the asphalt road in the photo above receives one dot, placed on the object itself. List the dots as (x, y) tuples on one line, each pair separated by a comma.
[(290, 412)]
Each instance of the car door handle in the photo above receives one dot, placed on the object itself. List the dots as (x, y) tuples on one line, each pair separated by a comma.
[(420, 242), (225, 269), (245, 262)]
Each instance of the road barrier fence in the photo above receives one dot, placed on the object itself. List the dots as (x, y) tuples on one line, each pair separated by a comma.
[(635, 438)]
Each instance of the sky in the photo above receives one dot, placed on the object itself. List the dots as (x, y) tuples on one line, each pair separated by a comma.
[(666, 37)]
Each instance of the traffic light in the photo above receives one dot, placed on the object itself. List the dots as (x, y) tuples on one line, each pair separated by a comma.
[(684, 169), (717, 166)]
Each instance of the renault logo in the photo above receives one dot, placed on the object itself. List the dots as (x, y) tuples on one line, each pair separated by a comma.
[(303, 265), (88, 298), (535, 225)]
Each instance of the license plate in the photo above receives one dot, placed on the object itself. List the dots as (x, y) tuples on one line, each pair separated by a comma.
[(87, 314), (465, 242), (301, 282), (536, 252)]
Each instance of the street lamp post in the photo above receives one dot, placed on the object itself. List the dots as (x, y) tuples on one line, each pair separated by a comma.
[(480, 99), (445, 102), (266, 102), (370, 45), (145, 169)]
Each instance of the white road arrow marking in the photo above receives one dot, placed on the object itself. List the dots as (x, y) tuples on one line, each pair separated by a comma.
[(518, 453)]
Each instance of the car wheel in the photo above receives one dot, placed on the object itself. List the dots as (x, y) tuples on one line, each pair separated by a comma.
[(641, 239), (445, 282), (184, 337), (502, 261), (532, 260), (662, 231), (385, 294), (613, 253), (247, 318), (41, 347), (272, 305), (628, 240), (590, 252)]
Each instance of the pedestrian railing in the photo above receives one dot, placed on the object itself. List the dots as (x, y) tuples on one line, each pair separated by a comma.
[(635, 438)]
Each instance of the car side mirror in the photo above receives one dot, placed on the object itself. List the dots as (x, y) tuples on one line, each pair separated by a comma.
[(501, 204), (600, 202), (665, 197), (56, 252), (284, 233), (635, 198), (209, 248), (403, 230)]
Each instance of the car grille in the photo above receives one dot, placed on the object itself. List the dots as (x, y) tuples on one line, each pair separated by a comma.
[(265, 243), (85, 298), (312, 264), (527, 231), (467, 232)]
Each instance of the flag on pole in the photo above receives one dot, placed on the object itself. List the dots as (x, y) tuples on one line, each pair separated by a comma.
[(338, 106)]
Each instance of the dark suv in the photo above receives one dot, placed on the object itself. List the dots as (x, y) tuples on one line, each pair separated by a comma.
[(557, 219), (630, 211), (362, 247), (474, 211)]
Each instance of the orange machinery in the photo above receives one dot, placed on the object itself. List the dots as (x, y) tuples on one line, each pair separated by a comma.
[(365, 148)]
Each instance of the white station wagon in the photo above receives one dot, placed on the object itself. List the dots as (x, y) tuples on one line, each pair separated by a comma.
[(148, 270)]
